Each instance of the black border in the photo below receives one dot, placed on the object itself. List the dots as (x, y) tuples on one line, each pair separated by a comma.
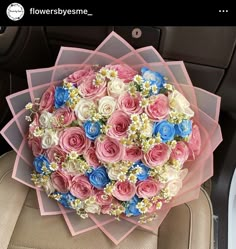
[(124, 13)]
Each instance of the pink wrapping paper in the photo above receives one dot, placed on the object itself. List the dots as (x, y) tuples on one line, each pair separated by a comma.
[(114, 50)]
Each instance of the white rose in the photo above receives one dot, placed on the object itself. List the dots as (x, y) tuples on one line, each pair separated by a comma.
[(172, 174), (183, 173), (113, 173), (48, 187), (49, 139), (148, 131), (93, 208), (45, 119), (180, 104), (82, 109), (71, 167), (174, 186), (116, 87), (106, 106)]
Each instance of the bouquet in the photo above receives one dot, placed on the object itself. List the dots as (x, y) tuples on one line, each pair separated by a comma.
[(113, 134)]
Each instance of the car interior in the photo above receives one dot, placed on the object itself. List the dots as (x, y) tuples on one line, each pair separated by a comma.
[(209, 54)]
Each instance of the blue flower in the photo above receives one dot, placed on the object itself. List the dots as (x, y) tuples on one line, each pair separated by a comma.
[(154, 78), (92, 129), (144, 174), (66, 199), (40, 162), (131, 207), (61, 96), (99, 178), (184, 128), (166, 130)]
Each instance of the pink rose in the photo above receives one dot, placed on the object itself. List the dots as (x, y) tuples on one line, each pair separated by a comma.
[(47, 100), (33, 125), (74, 139), (78, 76), (125, 72), (91, 157), (119, 122), (89, 90), (129, 104), (180, 152), (133, 153), (81, 188), (103, 199), (147, 188), (158, 155), (56, 154), (105, 209), (63, 117), (124, 191), (194, 143), (60, 181), (159, 109), (35, 145), (109, 149)]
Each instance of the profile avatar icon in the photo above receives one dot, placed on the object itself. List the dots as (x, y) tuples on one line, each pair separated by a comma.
[(15, 11)]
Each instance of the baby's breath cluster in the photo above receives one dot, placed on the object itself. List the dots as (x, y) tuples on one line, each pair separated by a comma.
[(104, 75)]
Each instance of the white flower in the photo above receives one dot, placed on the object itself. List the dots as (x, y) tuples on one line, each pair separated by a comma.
[(38, 132), (174, 186), (49, 139), (180, 104), (71, 166), (29, 106), (45, 119), (148, 131), (113, 173), (82, 109), (93, 208), (28, 118), (48, 187), (53, 166), (172, 174), (183, 173), (106, 106), (116, 87), (73, 155)]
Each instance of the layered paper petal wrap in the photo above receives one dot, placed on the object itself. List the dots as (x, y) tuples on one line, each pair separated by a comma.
[(114, 50)]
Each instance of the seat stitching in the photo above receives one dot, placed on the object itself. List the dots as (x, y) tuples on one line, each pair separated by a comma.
[(23, 247), (211, 227), (18, 218), (5, 154), (4, 175), (28, 206), (211, 220), (190, 226)]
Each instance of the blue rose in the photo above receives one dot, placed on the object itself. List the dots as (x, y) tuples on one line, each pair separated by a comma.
[(61, 96), (92, 129), (165, 129), (144, 174), (131, 207), (66, 199), (40, 162), (154, 78), (184, 128), (99, 178)]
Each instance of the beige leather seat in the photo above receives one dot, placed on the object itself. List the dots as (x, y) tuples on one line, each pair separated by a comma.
[(21, 226)]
